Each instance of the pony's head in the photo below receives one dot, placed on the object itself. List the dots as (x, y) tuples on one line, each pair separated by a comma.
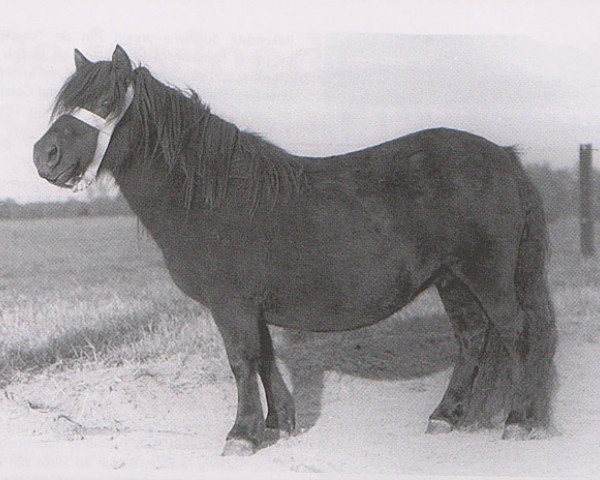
[(88, 108), (167, 136)]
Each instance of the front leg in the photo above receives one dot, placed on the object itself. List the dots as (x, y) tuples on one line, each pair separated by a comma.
[(239, 327), (281, 416)]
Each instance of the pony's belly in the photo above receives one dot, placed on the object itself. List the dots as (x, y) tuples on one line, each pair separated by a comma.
[(332, 305), (317, 318)]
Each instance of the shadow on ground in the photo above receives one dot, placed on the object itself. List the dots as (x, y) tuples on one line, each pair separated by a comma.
[(399, 348)]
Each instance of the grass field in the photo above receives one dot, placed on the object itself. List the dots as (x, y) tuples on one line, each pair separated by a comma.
[(81, 291), (85, 291)]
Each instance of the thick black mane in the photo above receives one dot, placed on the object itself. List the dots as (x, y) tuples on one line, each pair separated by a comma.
[(175, 127)]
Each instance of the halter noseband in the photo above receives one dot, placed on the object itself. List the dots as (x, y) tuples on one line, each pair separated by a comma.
[(105, 127)]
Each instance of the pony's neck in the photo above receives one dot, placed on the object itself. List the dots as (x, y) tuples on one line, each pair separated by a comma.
[(188, 157)]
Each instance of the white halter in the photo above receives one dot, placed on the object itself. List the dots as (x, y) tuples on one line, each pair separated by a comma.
[(105, 127)]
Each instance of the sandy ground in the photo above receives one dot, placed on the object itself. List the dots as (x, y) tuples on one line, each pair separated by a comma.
[(169, 420)]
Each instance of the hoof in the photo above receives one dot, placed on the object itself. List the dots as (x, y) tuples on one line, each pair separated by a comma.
[(272, 436), (515, 432), (436, 425), (285, 427), (278, 433), (239, 448), (543, 433)]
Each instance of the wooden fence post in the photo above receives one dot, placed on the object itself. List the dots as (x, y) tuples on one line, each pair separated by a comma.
[(586, 195)]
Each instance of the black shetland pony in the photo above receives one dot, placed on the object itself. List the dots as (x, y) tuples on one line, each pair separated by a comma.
[(263, 237)]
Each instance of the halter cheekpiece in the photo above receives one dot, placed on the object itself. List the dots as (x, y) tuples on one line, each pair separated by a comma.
[(105, 127)]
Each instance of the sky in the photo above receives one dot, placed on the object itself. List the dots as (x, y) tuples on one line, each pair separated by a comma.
[(321, 77)]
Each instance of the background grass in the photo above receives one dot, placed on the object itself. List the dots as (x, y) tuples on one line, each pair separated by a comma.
[(84, 292)]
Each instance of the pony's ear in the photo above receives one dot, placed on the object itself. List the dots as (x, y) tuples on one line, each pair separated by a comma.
[(121, 61), (80, 60)]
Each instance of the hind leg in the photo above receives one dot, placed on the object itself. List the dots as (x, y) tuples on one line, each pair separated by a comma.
[(280, 403), (470, 325), (494, 287)]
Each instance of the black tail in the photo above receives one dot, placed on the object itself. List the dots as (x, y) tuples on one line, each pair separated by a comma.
[(534, 298)]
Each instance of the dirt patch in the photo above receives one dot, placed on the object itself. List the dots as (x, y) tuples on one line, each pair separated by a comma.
[(170, 418)]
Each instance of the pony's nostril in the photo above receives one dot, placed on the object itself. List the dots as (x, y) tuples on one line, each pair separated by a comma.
[(53, 156)]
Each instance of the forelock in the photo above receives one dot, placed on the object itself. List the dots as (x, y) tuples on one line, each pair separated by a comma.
[(88, 84)]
